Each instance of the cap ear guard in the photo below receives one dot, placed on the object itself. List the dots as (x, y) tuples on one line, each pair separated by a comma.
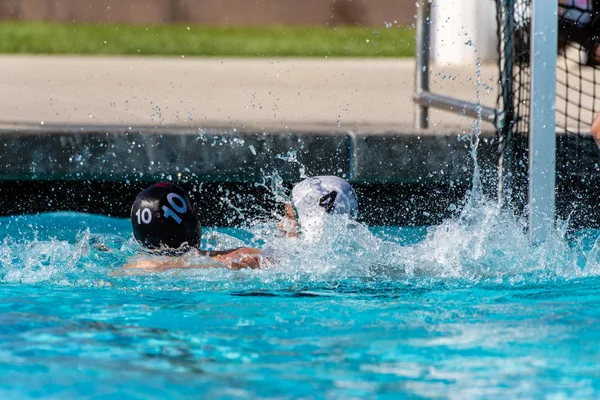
[(328, 201), (329, 194), (316, 197)]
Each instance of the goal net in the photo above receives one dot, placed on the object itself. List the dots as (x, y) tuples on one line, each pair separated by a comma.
[(577, 90)]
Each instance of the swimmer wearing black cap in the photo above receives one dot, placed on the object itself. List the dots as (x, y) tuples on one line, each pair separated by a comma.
[(164, 222)]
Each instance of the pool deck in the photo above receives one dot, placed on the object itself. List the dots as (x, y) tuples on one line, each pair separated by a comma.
[(232, 120), (342, 115), (259, 94)]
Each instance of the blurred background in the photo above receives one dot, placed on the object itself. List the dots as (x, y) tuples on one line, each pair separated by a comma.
[(351, 28), (214, 12), (103, 96)]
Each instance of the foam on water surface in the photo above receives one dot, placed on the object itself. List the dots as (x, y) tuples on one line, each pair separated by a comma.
[(485, 244)]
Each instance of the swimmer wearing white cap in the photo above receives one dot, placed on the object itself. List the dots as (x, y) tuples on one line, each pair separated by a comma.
[(312, 200)]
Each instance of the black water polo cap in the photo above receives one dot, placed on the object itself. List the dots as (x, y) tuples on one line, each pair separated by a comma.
[(163, 216)]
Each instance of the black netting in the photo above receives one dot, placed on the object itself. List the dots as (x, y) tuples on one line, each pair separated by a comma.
[(578, 61), (514, 17), (514, 20), (577, 94)]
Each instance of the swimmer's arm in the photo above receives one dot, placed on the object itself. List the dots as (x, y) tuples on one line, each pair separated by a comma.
[(244, 257), (234, 259), (159, 266)]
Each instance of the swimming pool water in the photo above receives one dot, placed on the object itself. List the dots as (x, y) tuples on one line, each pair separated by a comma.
[(464, 310)]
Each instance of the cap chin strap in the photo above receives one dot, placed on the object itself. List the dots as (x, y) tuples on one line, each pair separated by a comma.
[(297, 215), (327, 202)]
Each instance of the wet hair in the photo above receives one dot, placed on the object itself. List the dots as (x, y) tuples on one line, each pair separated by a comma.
[(163, 217)]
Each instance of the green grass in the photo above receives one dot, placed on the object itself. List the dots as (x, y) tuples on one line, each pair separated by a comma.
[(194, 40)]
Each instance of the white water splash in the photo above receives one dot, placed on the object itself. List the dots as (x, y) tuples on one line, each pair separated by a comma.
[(485, 244)]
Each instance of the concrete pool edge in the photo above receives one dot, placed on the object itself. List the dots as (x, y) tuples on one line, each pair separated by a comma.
[(226, 154), (420, 172)]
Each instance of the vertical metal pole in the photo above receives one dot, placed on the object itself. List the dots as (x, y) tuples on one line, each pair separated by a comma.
[(505, 122), (542, 136), (422, 61)]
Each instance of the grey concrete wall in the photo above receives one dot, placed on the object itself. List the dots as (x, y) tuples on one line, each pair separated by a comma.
[(101, 169), (215, 155), (215, 12), (401, 177)]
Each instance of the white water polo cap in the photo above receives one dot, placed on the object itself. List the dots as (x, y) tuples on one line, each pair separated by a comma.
[(318, 196)]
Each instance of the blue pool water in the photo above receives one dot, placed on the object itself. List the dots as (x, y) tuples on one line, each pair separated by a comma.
[(467, 309)]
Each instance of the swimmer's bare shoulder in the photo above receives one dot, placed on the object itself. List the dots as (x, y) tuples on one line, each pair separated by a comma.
[(240, 258)]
